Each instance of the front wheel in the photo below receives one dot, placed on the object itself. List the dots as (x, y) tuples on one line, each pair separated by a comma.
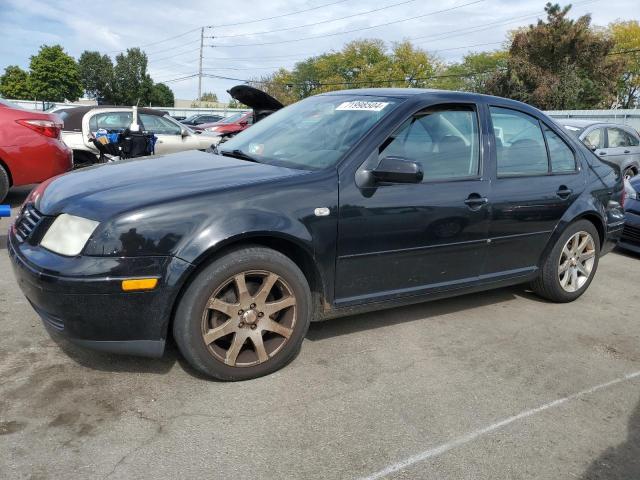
[(571, 265), (629, 173), (244, 316)]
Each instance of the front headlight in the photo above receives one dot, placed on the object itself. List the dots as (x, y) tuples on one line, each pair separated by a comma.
[(68, 234)]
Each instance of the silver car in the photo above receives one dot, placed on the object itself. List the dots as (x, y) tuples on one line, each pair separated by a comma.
[(616, 143)]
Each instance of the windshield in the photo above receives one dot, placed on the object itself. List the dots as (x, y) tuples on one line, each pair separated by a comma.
[(233, 118), (314, 133)]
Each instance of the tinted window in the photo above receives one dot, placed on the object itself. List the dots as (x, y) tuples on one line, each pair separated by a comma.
[(520, 145), (562, 158), (159, 125), (110, 121), (595, 139), (444, 141)]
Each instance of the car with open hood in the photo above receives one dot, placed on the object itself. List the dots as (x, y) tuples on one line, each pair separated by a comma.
[(344, 202), (261, 103)]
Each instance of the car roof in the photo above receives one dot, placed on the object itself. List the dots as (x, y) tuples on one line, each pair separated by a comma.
[(426, 93), (72, 117)]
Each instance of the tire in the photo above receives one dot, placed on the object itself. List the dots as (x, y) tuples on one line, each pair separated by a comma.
[(549, 283), (212, 319), (4, 183)]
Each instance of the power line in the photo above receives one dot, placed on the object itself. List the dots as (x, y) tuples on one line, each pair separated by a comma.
[(317, 23), (279, 16), (353, 30), (160, 41)]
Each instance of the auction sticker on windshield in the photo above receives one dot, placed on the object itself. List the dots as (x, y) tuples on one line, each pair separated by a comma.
[(362, 105)]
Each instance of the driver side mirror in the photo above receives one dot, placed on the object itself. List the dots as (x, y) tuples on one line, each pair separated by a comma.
[(593, 148), (398, 170), (184, 132)]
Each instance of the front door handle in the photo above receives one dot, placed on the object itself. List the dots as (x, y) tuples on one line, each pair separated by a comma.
[(602, 154), (627, 151), (564, 192), (475, 201)]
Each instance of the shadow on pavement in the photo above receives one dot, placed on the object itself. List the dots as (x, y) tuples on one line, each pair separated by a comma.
[(426, 310), (108, 362), (623, 461)]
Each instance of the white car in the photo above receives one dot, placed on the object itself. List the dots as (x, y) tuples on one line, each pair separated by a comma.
[(82, 123)]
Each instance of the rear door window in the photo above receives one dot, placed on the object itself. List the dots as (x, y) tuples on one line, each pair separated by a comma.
[(617, 138), (562, 158), (521, 149)]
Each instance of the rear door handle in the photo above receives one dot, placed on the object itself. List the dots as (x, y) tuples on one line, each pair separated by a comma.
[(564, 192), (627, 151)]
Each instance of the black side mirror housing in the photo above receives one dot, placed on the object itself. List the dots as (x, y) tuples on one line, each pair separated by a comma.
[(397, 170)]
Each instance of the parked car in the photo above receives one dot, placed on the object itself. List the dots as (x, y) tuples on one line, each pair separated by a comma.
[(178, 118), (201, 118), (81, 123), (619, 144), (30, 147), (261, 103), (631, 234), (343, 202)]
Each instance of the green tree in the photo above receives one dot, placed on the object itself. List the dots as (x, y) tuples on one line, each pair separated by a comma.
[(473, 73), (559, 64), (14, 83), (132, 85), (361, 63), (209, 97), (626, 36), (54, 75), (96, 75), (162, 96)]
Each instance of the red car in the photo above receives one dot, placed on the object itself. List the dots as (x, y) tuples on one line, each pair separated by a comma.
[(31, 150), (261, 103)]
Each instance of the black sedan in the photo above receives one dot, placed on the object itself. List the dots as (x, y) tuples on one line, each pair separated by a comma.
[(341, 203)]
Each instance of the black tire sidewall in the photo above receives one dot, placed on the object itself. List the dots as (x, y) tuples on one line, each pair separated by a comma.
[(4, 183), (188, 318)]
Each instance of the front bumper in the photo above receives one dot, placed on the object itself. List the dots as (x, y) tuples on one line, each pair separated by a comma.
[(630, 239), (81, 298)]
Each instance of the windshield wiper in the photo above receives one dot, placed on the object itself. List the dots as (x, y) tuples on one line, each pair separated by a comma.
[(237, 153)]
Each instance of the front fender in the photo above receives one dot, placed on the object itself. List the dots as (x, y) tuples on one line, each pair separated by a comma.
[(241, 225)]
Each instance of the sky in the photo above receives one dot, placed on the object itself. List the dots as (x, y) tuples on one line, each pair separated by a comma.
[(169, 31)]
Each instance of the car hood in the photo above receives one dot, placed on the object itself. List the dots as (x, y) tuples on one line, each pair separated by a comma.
[(101, 192), (254, 98)]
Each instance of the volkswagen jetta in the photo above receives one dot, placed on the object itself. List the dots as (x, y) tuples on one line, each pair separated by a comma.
[(341, 203)]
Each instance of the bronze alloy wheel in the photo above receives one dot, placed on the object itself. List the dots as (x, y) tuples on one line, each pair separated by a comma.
[(249, 318), (576, 261)]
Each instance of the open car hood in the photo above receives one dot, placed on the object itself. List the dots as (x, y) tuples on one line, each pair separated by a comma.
[(254, 98)]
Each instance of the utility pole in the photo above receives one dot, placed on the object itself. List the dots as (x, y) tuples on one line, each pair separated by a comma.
[(200, 68)]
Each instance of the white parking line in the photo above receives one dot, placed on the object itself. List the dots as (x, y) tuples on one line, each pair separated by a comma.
[(445, 447)]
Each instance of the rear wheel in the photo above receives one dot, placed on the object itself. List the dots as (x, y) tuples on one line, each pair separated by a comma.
[(4, 183), (571, 265), (245, 315)]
